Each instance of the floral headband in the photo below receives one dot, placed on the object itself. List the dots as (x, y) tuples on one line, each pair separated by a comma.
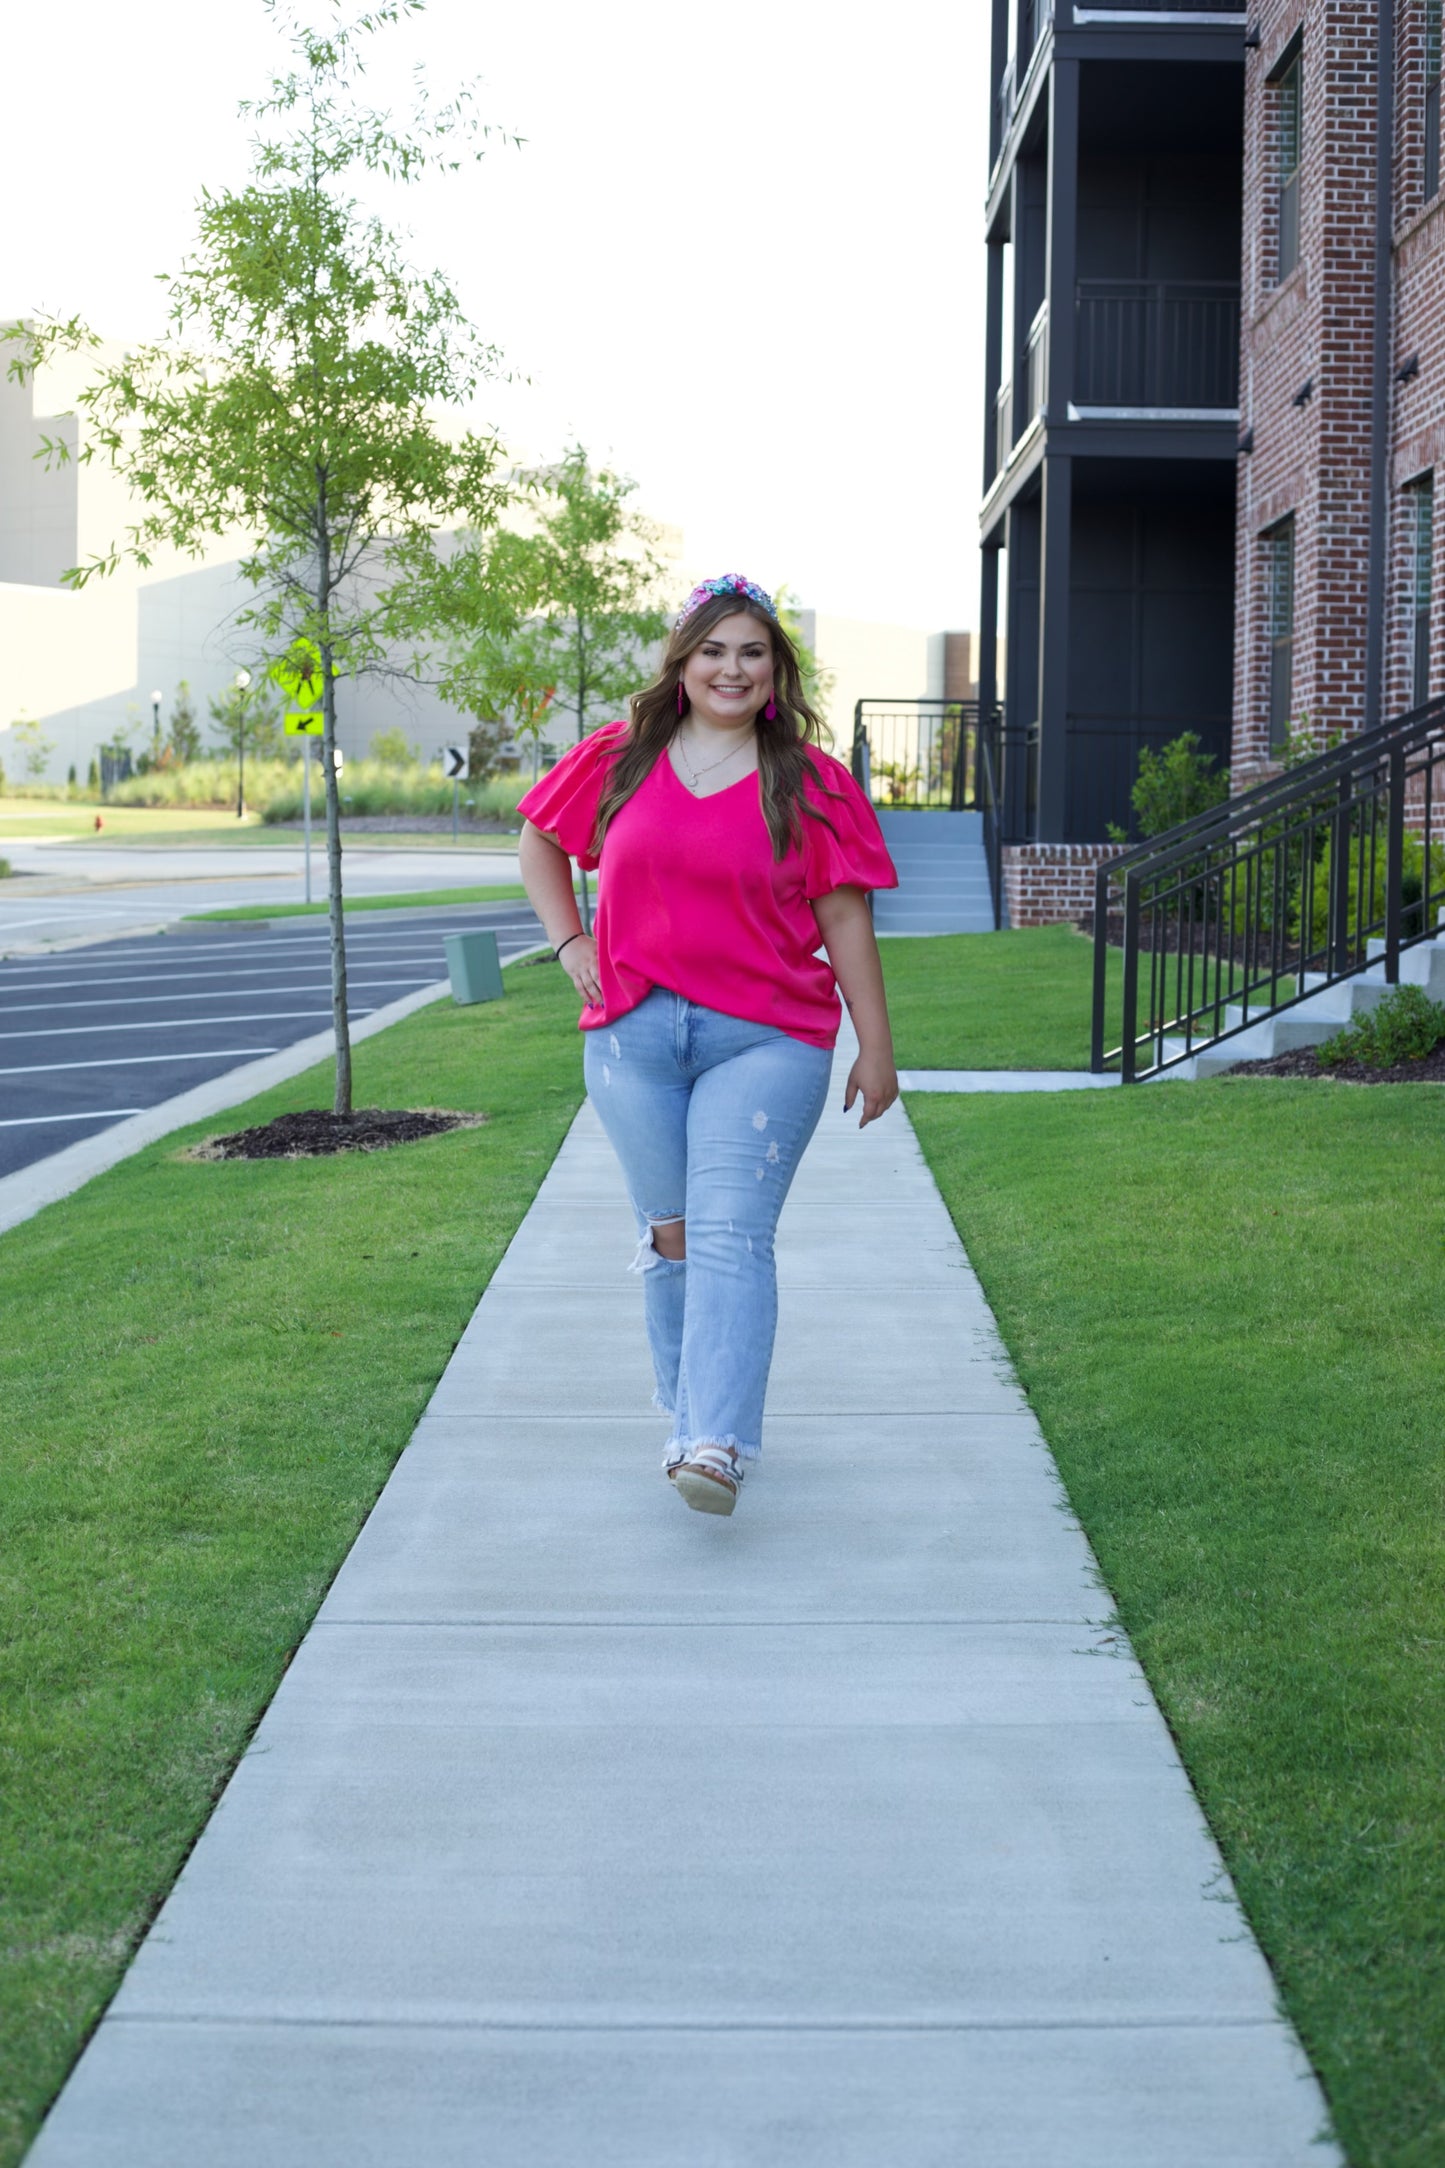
[(731, 583)]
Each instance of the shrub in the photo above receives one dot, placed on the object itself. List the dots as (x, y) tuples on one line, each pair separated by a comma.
[(4, 869), (393, 749), (1173, 785), (1412, 880), (204, 783), (1406, 1026), (371, 788)]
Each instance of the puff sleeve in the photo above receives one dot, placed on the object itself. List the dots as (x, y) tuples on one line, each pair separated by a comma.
[(563, 803), (852, 854)]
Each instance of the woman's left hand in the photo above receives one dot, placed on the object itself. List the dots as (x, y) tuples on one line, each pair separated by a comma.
[(876, 1078)]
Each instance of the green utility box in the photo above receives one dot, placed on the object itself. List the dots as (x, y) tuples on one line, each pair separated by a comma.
[(473, 966)]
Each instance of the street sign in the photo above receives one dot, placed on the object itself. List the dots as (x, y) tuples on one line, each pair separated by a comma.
[(454, 762), (310, 725), (298, 673)]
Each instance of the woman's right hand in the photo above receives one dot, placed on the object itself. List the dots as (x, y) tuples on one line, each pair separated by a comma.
[(579, 960)]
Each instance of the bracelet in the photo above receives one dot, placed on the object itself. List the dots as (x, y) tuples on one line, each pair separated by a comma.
[(557, 952)]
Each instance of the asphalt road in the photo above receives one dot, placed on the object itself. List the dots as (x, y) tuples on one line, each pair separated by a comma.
[(66, 892), (90, 1035)]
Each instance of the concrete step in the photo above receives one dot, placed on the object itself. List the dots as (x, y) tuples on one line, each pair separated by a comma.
[(899, 825)]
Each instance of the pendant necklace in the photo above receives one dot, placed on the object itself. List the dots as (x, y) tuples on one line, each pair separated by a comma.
[(695, 774)]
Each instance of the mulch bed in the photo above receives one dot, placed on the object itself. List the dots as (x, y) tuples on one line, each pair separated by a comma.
[(1302, 1062), (313, 1134)]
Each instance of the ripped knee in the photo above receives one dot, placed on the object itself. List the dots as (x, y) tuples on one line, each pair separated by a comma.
[(663, 1241), (669, 1238)]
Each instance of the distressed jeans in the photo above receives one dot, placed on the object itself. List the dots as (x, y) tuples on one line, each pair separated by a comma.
[(709, 1116)]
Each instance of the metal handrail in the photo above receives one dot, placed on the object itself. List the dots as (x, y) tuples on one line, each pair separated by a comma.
[(1258, 903)]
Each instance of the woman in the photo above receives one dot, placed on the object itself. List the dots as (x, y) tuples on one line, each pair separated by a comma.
[(730, 846)]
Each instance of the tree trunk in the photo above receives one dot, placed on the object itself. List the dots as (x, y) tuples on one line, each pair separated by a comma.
[(342, 1101)]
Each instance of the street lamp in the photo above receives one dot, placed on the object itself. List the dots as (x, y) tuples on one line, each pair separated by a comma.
[(156, 734), (243, 685)]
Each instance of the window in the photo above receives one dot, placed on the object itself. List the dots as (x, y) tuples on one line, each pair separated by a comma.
[(1432, 98), (1279, 559), (1421, 499), (1288, 92)]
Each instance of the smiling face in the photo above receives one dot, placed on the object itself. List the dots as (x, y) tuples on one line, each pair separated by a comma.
[(729, 675)]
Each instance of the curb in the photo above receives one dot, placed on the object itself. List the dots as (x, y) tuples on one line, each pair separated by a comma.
[(30, 1189)]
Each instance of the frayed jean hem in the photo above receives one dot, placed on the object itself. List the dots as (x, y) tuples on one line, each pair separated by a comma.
[(680, 1449)]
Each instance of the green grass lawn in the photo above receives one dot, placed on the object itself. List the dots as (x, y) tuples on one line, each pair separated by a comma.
[(1014, 1000), (507, 892), (1225, 1302), (23, 818), (206, 1373)]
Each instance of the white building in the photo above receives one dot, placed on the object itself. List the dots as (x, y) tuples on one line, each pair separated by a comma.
[(85, 664)]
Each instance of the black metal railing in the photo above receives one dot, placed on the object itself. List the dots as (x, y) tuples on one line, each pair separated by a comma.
[(1157, 343), (1290, 887), (918, 753)]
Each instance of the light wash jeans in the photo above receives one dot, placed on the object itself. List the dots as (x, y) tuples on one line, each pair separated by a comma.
[(709, 1116)]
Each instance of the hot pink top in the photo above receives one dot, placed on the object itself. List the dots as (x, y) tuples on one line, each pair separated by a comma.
[(692, 898)]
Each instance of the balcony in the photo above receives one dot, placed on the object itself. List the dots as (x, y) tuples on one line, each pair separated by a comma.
[(1153, 343)]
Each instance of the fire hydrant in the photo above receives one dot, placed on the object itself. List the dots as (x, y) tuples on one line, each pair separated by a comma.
[(99, 822)]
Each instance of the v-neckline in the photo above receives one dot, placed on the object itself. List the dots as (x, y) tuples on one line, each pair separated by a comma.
[(700, 797)]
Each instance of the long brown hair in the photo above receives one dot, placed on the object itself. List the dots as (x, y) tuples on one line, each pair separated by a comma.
[(783, 766)]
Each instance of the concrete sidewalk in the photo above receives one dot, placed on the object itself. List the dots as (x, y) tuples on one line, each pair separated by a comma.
[(588, 1832)]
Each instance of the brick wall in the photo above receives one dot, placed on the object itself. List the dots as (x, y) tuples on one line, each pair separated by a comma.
[(1046, 884), (1316, 325)]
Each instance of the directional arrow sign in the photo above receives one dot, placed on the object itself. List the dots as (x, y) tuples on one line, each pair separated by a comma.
[(454, 762), (311, 724)]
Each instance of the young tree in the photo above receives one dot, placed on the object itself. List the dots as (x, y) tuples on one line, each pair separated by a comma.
[(184, 741), (34, 747), (589, 581), (247, 719), (293, 398)]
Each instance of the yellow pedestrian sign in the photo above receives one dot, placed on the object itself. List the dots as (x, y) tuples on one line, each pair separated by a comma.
[(299, 675)]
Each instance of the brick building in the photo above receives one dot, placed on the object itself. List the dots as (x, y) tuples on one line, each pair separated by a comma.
[(1341, 388), (1342, 372)]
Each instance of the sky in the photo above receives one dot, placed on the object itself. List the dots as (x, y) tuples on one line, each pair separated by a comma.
[(738, 253)]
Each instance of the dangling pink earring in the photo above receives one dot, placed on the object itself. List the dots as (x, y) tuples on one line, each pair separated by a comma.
[(770, 712), (679, 696)]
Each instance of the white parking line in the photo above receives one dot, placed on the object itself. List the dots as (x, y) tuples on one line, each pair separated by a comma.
[(176, 1023), (38, 1121), (318, 938), (136, 1061), (250, 971), (147, 1001)]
